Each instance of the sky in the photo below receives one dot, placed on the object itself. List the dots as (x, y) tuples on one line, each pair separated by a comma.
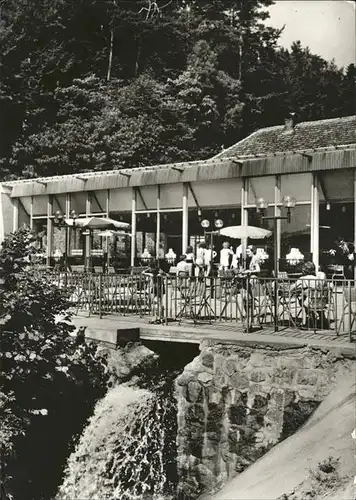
[(327, 27)]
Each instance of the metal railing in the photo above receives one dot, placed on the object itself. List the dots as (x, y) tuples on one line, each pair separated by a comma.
[(317, 305)]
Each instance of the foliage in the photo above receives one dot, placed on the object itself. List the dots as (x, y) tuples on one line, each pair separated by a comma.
[(102, 84), (49, 380)]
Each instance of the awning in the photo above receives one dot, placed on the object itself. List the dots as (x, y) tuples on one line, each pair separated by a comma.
[(225, 168)]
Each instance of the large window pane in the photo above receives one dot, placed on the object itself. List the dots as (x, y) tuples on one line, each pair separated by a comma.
[(296, 234)]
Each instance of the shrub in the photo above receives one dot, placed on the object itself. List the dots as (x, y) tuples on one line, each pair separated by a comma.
[(49, 380)]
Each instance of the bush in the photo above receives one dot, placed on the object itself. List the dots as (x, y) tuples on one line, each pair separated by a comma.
[(49, 380)]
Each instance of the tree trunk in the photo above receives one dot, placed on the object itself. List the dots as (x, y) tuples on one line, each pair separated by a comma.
[(110, 54)]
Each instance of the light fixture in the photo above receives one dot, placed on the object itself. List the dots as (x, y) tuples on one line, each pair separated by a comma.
[(328, 207), (289, 202), (58, 217), (343, 208), (216, 215), (218, 223), (233, 215), (261, 204), (205, 223), (148, 215), (199, 212)]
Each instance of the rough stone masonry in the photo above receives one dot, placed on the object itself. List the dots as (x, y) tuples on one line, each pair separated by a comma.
[(236, 401)]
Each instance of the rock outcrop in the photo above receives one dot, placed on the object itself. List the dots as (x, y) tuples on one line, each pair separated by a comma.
[(235, 402), (128, 361)]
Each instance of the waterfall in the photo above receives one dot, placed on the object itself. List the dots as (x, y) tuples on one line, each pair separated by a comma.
[(125, 452)]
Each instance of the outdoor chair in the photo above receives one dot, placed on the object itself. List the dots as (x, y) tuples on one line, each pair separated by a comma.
[(188, 296), (338, 272), (194, 296), (289, 307), (318, 306), (230, 296)]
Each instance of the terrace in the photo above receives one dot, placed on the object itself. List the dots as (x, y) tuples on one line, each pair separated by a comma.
[(231, 303)]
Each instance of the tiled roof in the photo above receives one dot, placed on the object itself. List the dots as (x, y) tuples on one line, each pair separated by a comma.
[(304, 135)]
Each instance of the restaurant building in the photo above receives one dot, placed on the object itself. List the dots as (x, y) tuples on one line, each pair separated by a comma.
[(314, 163)]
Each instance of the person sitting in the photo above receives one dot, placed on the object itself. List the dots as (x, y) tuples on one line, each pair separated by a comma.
[(182, 267), (253, 261), (320, 275), (313, 299)]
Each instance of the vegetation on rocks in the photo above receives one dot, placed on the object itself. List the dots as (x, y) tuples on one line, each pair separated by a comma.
[(49, 380), (322, 481)]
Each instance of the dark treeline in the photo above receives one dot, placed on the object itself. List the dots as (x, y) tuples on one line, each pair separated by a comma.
[(102, 84)]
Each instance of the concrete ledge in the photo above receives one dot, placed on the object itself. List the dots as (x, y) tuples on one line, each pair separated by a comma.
[(106, 330), (115, 337)]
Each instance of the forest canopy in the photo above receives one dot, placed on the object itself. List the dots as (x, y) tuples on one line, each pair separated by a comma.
[(109, 84)]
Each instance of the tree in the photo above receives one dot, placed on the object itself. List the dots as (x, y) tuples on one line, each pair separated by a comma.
[(204, 107), (49, 381)]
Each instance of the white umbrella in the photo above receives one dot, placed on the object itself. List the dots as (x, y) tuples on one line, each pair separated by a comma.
[(97, 223), (107, 233), (240, 232)]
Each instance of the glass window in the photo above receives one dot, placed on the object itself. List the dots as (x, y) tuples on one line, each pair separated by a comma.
[(296, 234), (261, 187), (296, 185)]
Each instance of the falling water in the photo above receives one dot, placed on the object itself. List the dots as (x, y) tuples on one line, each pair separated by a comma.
[(124, 452)]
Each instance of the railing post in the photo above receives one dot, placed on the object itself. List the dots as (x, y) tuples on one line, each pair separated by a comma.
[(100, 294), (349, 311), (247, 304), (275, 304), (166, 301)]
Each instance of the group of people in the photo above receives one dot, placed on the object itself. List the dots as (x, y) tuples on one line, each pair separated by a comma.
[(201, 263)]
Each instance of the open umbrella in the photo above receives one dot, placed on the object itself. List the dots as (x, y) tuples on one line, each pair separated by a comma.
[(240, 232), (97, 223), (107, 233)]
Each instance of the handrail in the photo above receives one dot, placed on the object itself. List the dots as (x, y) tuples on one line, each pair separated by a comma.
[(254, 303)]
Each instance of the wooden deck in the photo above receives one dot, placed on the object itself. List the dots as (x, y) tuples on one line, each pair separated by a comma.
[(106, 328)]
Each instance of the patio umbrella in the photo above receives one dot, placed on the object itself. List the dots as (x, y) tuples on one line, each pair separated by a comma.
[(97, 223), (240, 232), (107, 233)]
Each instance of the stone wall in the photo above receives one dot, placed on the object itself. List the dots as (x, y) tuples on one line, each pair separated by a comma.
[(235, 402)]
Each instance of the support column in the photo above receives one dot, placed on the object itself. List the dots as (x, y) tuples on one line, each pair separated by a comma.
[(315, 217), (133, 226), (15, 214), (67, 228), (31, 213), (312, 217), (355, 219), (158, 221), (49, 229), (88, 236), (185, 227), (107, 203), (244, 213), (278, 213)]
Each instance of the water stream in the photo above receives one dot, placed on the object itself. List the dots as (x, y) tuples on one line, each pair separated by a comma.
[(128, 449)]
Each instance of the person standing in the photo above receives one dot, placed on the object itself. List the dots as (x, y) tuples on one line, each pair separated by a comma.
[(200, 261), (210, 255), (189, 259), (225, 255)]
